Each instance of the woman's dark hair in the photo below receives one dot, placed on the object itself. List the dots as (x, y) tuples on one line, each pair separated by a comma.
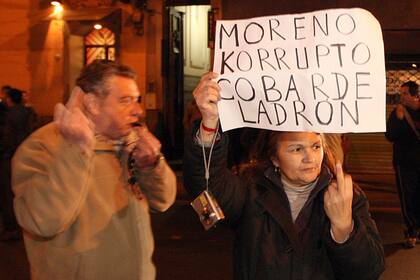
[(93, 77)]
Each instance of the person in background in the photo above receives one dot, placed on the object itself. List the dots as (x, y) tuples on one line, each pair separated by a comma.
[(33, 120), (15, 130), (3, 111), (26, 99), (3, 108), (295, 213), (403, 130), (85, 183)]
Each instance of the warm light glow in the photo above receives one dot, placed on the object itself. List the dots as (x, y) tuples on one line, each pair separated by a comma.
[(58, 8), (414, 65), (97, 26), (56, 3)]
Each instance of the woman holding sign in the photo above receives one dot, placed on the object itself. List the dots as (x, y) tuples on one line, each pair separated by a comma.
[(296, 216)]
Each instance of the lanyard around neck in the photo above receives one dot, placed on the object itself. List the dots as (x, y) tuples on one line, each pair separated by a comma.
[(205, 161)]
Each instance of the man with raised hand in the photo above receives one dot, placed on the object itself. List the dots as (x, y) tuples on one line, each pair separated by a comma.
[(84, 184)]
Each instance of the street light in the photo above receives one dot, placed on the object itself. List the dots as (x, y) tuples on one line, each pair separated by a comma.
[(58, 7), (56, 3)]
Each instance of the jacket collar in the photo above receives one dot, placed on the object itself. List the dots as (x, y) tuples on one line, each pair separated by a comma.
[(276, 185), (274, 201)]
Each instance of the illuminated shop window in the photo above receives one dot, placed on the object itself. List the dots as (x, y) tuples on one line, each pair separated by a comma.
[(99, 44)]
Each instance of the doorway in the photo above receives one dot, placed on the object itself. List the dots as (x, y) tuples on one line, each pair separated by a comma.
[(78, 51), (186, 58)]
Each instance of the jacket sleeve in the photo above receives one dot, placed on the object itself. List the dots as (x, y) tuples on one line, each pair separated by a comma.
[(50, 182), (362, 255), (159, 185), (396, 129), (229, 191)]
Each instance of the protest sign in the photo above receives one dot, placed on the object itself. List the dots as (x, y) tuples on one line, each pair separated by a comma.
[(322, 71)]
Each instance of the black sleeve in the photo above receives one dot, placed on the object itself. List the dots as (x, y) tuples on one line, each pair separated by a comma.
[(361, 256), (229, 190), (397, 130)]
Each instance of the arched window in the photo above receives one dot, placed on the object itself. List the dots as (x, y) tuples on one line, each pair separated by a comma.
[(99, 44)]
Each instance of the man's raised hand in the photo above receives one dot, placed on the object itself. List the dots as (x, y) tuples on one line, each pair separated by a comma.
[(73, 123)]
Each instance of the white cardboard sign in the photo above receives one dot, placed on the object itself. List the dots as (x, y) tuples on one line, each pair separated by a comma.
[(321, 71)]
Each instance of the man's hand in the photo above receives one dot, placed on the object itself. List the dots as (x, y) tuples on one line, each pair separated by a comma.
[(147, 151), (73, 123), (338, 204), (206, 95)]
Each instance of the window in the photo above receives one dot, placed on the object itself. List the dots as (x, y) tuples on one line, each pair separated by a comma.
[(99, 44)]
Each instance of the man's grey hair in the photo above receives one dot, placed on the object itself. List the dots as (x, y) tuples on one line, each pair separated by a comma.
[(93, 77)]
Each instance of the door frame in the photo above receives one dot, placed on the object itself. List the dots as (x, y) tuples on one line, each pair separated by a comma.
[(173, 141)]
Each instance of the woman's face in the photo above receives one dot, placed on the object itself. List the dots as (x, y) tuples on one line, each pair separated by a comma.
[(299, 156)]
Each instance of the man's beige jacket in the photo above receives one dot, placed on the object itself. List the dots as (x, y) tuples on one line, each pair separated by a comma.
[(81, 218)]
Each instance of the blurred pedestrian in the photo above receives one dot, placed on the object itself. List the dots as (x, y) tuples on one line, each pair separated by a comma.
[(3, 109), (15, 130), (403, 130)]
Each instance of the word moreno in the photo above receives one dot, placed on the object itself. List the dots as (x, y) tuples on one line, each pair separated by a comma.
[(272, 29)]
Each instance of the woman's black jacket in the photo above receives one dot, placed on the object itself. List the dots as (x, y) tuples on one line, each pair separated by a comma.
[(268, 245)]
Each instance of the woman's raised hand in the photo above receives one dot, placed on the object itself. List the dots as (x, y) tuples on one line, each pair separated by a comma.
[(206, 95), (338, 204)]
